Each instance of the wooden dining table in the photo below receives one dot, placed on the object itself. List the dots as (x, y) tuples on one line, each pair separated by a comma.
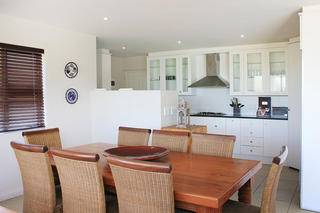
[(202, 183)]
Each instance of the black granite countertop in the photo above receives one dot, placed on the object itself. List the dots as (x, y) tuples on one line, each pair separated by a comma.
[(270, 117)]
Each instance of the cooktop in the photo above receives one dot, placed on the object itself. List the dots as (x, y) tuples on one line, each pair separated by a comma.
[(210, 113)]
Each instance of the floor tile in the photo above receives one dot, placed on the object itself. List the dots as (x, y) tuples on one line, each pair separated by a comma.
[(295, 204), (15, 204)]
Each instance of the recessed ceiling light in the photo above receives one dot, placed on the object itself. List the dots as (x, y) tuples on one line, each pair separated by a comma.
[(124, 47), (242, 36), (105, 18), (179, 42)]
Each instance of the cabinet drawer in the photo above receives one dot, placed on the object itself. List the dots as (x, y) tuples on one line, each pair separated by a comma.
[(251, 128), (251, 150), (217, 126), (250, 141)]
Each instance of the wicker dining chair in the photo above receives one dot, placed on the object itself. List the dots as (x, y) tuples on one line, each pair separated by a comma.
[(211, 144), (129, 136), (81, 182), (39, 191), (176, 141), (268, 203), (142, 186), (46, 137)]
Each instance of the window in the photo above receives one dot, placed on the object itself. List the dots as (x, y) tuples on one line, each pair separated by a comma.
[(21, 90)]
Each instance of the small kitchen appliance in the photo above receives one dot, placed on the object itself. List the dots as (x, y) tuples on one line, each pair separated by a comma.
[(264, 108), (183, 114), (280, 111)]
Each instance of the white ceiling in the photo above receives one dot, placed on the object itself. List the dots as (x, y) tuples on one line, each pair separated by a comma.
[(155, 25)]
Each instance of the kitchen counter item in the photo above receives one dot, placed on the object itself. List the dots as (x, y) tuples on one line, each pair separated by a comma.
[(138, 152), (270, 117)]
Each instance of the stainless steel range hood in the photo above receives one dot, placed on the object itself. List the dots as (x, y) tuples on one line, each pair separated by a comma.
[(213, 78)]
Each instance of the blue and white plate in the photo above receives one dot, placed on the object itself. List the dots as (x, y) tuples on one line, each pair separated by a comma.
[(72, 96)]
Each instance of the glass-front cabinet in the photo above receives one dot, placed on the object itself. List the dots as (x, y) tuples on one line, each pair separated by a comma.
[(185, 75), (254, 72), (154, 77), (277, 71), (170, 73), (235, 73), (258, 72)]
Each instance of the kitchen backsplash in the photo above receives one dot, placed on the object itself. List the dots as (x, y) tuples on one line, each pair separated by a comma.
[(218, 100)]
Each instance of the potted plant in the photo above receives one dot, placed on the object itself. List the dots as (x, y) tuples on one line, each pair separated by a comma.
[(236, 106)]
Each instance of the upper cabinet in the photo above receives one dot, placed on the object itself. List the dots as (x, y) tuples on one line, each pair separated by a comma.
[(154, 75), (253, 71), (258, 72), (277, 71), (236, 70), (185, 75), (170, 73)]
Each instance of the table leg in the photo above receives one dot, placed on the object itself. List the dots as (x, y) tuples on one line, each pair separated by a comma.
[(208, 210), (245, 192)]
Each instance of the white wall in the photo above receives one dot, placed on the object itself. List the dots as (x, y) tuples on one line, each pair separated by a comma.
[(60, 46), (310, 173), (141, 109), (121, 65), (218, 100)]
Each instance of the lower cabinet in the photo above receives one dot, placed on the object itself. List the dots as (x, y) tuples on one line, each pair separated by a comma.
[(258, 139), (252, 150), (233, 127), (275, 135)]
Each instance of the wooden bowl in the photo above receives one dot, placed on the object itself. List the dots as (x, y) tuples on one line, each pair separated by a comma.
[(138, 152)]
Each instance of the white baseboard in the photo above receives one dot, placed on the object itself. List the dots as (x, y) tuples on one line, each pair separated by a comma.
[(8, 195)]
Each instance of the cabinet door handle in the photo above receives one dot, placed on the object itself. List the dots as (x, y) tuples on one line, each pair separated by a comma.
[(215, 126)]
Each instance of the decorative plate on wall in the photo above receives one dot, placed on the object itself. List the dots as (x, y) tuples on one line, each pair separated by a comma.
[(72, 96), (71, 70)]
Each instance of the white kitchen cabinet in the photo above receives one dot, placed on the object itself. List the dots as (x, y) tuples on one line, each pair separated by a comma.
[(185, 75), (236, 73), (171, 67), (233, 127), (199, 120), (252, 127), (275, 136), (254, 72), (154, 74), (217, 126), (251, 150), (294, 102), (277, 71), (256, 139), (252, 141), (214, 125), (258, 72), (169, 73)]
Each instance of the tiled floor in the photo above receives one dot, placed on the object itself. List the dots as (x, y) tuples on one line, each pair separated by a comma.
[(287, 198)]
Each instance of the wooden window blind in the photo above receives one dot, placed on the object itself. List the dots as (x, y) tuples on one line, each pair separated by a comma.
[(21, 89)]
